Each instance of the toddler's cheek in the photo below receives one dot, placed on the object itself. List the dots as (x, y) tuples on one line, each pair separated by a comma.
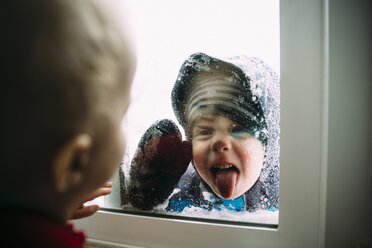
[(198, 159)]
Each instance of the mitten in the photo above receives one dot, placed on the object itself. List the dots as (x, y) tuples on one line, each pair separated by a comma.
[(160, 160)]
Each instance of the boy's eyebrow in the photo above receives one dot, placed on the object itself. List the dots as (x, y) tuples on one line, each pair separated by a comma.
[(206, 118), (202, 126)]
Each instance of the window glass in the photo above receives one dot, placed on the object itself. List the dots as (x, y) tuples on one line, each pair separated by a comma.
[(209, 72)]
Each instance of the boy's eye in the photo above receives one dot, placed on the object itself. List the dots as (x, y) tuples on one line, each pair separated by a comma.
[(204, 132), (239, 131), (236, 128)]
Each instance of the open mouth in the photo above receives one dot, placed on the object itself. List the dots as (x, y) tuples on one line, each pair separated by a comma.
[(223, 167), (225, 177)]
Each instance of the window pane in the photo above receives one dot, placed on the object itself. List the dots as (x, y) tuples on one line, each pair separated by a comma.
[(212, 109)]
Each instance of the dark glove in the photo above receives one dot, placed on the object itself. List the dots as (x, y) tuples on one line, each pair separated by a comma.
[(159, 162)]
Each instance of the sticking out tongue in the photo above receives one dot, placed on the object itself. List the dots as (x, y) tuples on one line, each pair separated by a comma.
[(225, 180)]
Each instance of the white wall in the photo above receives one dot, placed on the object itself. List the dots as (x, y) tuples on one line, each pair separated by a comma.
[(349, 184)]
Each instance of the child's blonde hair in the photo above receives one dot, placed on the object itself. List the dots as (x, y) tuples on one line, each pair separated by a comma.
[(62, 62)]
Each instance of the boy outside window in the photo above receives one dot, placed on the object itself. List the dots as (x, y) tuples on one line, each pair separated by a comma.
[(228, 141)]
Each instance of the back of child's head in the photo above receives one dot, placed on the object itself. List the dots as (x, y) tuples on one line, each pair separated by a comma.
[(64, 64)]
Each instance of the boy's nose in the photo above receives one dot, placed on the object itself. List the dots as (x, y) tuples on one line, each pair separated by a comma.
[(221, 143)]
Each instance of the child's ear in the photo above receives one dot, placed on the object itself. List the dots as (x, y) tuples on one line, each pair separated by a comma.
[(71, 161)]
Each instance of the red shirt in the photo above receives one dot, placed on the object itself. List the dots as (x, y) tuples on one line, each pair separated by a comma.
[(20, 229)]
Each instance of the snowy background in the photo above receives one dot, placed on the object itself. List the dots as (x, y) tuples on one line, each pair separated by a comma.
[(166, 32)]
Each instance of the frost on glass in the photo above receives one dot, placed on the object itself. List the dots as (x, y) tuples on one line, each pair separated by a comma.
[(158, 176)]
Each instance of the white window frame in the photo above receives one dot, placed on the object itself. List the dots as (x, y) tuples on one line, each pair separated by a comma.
[(303, 156)]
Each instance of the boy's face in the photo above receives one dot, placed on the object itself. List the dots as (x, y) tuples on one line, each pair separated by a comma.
[(227, 157)]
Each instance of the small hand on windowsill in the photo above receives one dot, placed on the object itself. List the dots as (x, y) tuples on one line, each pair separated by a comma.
[(86, 211)]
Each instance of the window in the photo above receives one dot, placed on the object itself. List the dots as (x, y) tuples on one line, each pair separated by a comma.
[(300, 219), (245, 34)]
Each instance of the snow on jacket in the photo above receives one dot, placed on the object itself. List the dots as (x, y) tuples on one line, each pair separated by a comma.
[(192, 191)]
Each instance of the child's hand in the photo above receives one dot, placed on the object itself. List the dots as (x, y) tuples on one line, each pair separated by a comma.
[(86, 211), (158, 164)]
